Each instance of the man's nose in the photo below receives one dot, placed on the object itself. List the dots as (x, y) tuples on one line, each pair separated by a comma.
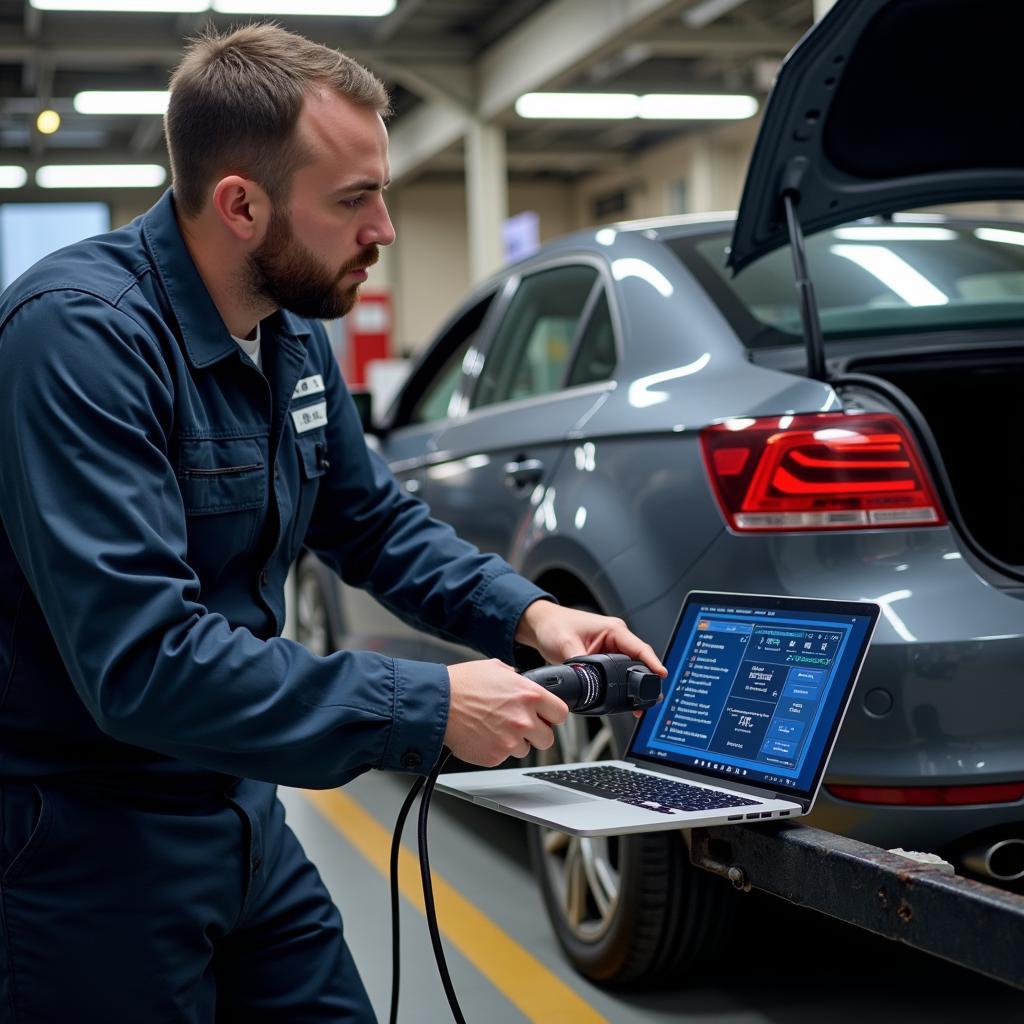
[(377, 229)]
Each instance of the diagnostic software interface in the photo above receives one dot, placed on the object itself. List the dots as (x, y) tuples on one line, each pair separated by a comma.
[(753, 692)]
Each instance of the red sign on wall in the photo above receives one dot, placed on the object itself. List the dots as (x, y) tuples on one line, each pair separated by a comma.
[(369, 334)]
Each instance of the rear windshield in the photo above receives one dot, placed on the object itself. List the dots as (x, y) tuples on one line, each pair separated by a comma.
[(870, 279)]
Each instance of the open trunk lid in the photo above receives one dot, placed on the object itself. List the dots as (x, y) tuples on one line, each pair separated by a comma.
[(887, 105)]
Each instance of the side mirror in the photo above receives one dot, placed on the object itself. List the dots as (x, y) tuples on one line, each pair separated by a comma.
[(364, 406)]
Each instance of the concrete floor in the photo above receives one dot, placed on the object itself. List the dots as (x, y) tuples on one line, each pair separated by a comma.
[(788, 965)]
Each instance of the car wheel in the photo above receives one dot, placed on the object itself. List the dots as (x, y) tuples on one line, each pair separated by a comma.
[(312, 617), (625, 909)]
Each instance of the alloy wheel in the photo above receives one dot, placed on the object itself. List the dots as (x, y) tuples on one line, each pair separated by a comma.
[(583, 871)]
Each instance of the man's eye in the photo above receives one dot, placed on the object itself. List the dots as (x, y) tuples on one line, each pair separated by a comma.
[(353, 203)]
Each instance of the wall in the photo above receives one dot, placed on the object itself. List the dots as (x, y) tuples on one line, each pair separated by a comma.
[(709, 164), (427, 269)]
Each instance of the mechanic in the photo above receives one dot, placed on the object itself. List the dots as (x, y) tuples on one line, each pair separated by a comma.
[(175, 430)]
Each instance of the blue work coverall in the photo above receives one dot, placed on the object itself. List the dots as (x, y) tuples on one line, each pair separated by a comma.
[(155, 486)]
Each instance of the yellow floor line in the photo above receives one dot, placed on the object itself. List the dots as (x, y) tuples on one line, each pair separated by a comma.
[(521, 978)]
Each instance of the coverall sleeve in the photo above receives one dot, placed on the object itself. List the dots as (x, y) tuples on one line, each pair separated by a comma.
[(376, 536), (92, 507)]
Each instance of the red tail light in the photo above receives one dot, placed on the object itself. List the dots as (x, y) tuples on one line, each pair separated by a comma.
[(822, 471), (931, 796)]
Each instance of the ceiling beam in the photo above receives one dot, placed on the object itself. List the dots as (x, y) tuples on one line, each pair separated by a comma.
[(706, 11), (389, 25), (718, 42), (422, 134), (556, 43), (548, 47), (450, 83)]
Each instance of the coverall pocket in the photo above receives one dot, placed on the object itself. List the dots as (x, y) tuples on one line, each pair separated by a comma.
[(223, 483), (26, 814)]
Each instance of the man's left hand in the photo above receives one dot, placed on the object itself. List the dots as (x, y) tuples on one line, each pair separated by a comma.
[(559, 633)]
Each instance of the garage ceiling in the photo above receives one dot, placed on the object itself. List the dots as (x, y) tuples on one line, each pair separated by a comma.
[(445, 61)]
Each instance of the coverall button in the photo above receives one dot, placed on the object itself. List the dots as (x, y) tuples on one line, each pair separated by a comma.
[(257, 863), (411, 759), (277, 470), (264, 577)]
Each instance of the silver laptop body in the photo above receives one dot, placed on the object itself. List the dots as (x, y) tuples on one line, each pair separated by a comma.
[(757, 690)]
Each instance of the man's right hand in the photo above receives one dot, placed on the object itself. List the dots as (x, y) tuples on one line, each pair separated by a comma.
[(495, 713)]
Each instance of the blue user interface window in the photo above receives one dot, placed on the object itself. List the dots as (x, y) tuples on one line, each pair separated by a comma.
[(753, 693)]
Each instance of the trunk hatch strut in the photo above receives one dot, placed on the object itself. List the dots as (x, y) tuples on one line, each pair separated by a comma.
[(805, 291)]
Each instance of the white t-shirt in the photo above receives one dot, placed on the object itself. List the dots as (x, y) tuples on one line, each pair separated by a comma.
[(251, 347)]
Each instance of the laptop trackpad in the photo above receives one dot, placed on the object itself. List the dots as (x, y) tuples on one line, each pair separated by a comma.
[(543, 795)]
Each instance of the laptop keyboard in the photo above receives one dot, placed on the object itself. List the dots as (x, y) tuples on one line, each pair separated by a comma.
[(647, 791)]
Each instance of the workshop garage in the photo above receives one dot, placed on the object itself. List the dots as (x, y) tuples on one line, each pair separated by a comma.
[(583, 428)]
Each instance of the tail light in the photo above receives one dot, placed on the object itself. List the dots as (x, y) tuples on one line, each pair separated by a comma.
[(822, 471), (931, 796)]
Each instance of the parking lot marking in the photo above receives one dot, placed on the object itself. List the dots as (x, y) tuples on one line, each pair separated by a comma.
[(520, 977)]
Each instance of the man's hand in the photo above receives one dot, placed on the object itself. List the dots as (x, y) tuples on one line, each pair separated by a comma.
[(558, 633), (495, 713)]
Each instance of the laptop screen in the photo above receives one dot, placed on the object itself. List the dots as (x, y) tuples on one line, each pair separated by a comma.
[(756, 688)]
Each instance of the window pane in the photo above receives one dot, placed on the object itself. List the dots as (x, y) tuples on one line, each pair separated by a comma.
[(435, 402), (595, 357), (30, 231), (531, 349), (872, 278), (433, 393)]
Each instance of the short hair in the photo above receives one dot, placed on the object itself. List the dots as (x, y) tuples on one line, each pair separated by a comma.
[(235, 103)]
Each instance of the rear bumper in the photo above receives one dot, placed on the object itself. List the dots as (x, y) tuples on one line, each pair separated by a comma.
[(913, 828), (940, 700)]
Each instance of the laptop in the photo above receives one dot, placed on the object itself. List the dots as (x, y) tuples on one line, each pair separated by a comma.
[(756, 691)]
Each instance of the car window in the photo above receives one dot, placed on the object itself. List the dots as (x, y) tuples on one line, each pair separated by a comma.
[(872, 278), (436, 401), (433, 393), (595, 353), (531, 348)]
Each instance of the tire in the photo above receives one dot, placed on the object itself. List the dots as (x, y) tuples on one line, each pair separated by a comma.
[(626, 910), (313, 626)]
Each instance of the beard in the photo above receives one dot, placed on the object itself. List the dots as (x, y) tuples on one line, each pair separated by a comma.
[(284, 272)]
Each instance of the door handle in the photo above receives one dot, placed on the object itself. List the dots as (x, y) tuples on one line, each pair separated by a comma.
[(523, 472)]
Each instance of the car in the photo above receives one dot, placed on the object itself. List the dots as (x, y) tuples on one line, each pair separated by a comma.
[(648, 408)]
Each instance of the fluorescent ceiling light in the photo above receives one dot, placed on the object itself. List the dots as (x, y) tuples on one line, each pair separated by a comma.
[(1000, 235), (101, 176), (98, 102), (12, 176), (623, 106), (332, 8), (894, 272), (894, 233), (124, 6), (696, 107), (583, 105)]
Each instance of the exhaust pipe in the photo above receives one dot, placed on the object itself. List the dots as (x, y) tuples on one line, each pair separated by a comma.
[(1003, 861)]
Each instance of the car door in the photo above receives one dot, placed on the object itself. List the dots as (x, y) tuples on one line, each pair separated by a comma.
[(497, 454), (434, 391)]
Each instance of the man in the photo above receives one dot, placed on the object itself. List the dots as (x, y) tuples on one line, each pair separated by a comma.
[(174, 431)]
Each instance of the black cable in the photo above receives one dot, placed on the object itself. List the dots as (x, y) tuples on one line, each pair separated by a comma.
[(396, 845), (428, 890)]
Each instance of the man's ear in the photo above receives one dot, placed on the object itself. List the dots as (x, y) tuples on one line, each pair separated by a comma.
[(242, 207)]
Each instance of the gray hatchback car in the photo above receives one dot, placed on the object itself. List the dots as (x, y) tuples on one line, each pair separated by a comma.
[(625, 420)]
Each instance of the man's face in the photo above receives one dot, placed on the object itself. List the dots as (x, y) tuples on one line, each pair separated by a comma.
[(317, 248)]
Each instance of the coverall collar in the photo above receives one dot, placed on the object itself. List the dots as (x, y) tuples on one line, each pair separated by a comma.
[(205, 335)]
